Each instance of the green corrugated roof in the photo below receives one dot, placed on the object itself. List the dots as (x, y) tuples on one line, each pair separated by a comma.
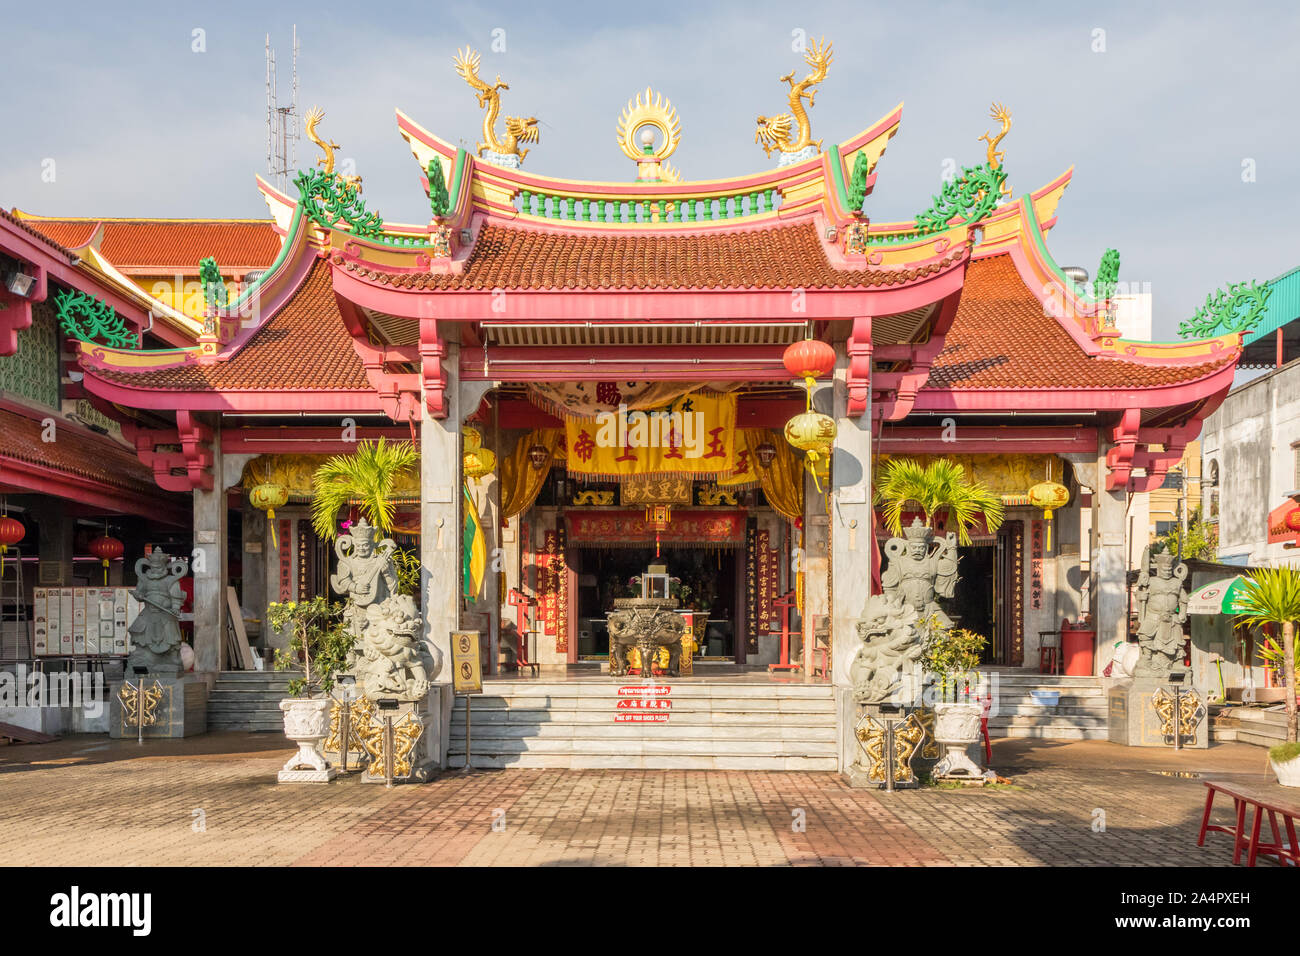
[(1283, 305)]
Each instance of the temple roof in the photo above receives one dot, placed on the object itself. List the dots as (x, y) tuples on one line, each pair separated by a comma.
[(170, 245), (1003, 338), (777, 257), (77, 452), (303, 345)]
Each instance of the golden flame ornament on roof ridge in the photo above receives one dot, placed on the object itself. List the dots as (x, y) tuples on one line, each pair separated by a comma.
[(519, 129), (639, 117), (349, 184), (1000, 113), (778, 132)]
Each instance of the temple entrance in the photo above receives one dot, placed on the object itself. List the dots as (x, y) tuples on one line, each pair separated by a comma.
[(972, 602), (704, 580)]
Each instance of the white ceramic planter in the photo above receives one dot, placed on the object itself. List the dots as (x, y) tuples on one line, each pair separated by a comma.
[(957, 726), (1288, 771), (306, 723)]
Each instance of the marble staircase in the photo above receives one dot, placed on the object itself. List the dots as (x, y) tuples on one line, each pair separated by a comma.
[(1080, 713), (248, 700), (696, 724)]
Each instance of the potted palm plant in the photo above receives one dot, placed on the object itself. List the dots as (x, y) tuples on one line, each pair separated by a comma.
[(366, 478), (1272, 596), (319, 642), (939, 488)]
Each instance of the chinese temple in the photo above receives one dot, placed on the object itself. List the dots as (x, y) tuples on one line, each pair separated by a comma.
[(623, 351)]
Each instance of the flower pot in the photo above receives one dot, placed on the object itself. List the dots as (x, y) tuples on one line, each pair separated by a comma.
[(957, 723), (1288, 771), (957, 726), (306, 723)]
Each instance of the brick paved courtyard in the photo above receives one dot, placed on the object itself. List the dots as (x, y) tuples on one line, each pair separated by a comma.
[(212, 800)]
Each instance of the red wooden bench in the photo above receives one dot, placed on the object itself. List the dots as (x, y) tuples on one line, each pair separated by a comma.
[(1263, 801)]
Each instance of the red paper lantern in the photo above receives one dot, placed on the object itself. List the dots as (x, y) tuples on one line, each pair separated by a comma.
[(1293, 520), (809, 360), (11, 532), (106, 549)]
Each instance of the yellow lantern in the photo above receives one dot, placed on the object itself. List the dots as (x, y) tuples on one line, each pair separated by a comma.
[(267, 497), (472, 439), (1049, 495), (479, 462), (813, 433)]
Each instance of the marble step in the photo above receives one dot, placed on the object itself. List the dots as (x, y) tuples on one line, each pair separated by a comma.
[(610, 689), (1077, 720), (642, 731), (1037, 710), (528, 761), (720, 704), (590, 718), (1051, 733), (644, 746), (256, 725)]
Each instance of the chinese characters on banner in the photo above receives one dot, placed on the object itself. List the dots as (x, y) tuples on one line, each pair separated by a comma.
[(553, 589), (751, 585), (304, 561), (286, 562), (1017, 594), (691, 435), (1036, 566), (767, 581)]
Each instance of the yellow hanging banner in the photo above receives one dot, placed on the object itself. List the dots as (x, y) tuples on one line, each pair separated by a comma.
[(691, 435)]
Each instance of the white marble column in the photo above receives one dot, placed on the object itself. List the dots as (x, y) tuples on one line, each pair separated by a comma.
[(208, 565), (851, 544), (440, 519)]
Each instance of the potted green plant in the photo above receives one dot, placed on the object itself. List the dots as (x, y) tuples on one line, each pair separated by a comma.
[(952, 658), (319, 642), (1272, 596)]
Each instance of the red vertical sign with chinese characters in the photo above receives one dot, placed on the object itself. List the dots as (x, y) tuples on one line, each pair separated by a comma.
[(1036, 566), (553, 589), (286, 562), (767, 578), (751, 586)]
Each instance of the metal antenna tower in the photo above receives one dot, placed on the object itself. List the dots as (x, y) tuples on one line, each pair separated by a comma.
[(282, 131)]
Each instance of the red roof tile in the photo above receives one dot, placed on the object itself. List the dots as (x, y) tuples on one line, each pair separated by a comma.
[(1002, 337), (75, 451), (781, 257), (304, 345), (171, 245)]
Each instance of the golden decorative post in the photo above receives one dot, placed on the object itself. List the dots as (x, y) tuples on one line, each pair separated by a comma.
[(995, 157)]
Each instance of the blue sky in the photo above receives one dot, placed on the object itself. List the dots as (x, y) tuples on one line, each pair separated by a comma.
[(1158, 124)]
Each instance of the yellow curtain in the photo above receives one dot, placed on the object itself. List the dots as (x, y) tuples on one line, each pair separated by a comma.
[(782, 481), (520, 481)]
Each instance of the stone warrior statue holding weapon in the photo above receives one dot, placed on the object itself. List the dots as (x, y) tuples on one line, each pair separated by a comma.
[(156, 633)]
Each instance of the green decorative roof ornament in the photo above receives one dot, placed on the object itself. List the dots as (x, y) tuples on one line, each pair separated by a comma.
[(858, 183), (330, 200), (972, 196), (215, 295), (1236, 308), (1107, 276), (84, 317), (438, 199)]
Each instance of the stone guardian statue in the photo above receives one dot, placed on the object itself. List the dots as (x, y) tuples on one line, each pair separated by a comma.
[(156, 633), (1162, 611)]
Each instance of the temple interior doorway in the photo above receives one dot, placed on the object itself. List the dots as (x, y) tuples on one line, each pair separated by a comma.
[(707, 583), (972, 602)]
